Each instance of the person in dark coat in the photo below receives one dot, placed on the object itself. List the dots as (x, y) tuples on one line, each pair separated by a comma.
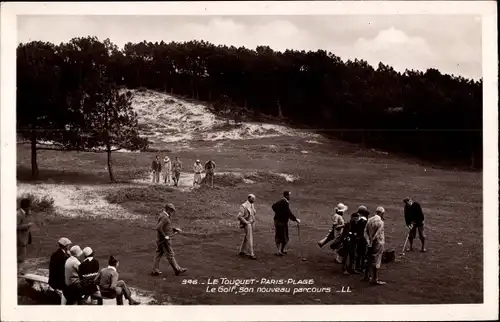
[(282, 214), (88, 270), (414, 218), (56, 265), (359, 229), (348, 249)]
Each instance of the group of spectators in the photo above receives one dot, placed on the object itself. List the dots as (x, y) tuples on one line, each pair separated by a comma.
[(76, 273), (172, 170)]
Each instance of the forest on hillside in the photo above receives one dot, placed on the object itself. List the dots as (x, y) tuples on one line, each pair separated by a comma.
[(428, 115)]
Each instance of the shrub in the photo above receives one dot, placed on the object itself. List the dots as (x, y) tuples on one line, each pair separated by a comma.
[(225, 180), (38, 204)]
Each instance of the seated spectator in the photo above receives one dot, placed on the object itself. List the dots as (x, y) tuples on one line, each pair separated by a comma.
[(88, 270), (57, 262), (110, 286), (73, 290)]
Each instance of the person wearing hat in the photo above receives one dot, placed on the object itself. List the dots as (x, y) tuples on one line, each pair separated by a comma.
[(338, 227), (57, 263), (88, 270), (156, 168), (209, 172), (338, 224), (165, 232), (167, 170), (176, 169), (414, 218), (73, 290), (359, 229), (110, 286), (348, 249), (246, 216), (375, 240), (282, 214), (197, 168)]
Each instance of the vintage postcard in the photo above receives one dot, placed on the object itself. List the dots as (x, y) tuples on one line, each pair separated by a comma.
[(249, 161)]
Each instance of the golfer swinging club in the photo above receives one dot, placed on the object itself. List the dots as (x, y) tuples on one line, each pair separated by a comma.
[(414, 218), (282, 214)]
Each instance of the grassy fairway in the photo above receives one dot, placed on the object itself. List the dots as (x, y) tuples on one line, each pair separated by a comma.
[(331, 172)]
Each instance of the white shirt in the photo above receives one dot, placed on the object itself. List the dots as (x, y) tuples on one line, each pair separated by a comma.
[(250, 215)]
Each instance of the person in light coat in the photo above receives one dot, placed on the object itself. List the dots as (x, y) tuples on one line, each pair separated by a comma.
[(375, 240), (246, 216), (197, 168), (167, 169)]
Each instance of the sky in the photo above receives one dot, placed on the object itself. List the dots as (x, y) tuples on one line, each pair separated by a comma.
[(450, 43)]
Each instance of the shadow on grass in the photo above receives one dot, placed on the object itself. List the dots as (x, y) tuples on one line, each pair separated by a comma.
[(75, 177)]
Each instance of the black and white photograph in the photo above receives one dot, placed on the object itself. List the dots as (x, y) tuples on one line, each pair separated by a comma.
[(250, 161)]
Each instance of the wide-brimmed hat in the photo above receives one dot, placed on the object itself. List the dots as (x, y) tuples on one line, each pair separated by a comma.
[(63, 241), (76, 251), (87, 251), (341, 207)]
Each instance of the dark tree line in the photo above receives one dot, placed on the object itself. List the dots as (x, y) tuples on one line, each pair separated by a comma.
[(426, 114)]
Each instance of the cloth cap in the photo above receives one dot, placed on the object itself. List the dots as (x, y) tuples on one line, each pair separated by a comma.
[(75, 251), (362, 209), (341, 207), (63, 241), (380, 210), (87, 251), (197, 161), (170, 206), (251, 195)]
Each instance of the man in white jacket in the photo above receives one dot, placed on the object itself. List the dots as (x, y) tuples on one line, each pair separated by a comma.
[(246, 216), (167, 167), (198, 169)]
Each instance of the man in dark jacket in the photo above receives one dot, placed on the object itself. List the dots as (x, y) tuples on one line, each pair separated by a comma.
[(348, 248), (156, 168), (56, 265), (282, 214), (360, 240), (165, 232), (414, 218)]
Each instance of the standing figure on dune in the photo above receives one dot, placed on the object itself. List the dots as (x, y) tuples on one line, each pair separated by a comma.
[(209, 172), (197, 168), (176, 169), (167, 168), (156, 168)]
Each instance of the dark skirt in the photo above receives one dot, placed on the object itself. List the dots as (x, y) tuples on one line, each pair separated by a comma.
[(281, 235)]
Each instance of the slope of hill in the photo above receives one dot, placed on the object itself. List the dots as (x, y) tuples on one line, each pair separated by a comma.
[(167, 119)]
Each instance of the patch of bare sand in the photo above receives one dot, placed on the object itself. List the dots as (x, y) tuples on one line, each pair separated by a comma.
[(79, 200)]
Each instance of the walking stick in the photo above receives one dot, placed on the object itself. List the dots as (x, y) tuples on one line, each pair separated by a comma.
[(300, 242)]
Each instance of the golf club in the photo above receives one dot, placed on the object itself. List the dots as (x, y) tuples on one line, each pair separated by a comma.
[(406, 241), (300, 242)]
